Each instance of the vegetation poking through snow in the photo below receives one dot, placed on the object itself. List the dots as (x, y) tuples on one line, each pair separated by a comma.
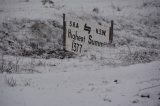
[(10, 81), (143, 56), (40, 39), (8, 66)]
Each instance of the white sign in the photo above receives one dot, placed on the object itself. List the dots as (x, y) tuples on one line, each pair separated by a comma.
[(81, 36)]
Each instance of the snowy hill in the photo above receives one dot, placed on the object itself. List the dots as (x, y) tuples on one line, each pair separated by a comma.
[(35, 70)]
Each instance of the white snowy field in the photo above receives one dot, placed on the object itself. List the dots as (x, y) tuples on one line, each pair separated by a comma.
[(75, 82), (125, 74)]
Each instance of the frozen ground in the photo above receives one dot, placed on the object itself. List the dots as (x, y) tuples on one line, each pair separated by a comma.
[(70, 84), (81, 82), (126, 73)]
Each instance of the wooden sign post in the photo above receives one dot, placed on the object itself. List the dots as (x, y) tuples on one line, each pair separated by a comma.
[(64, 33), (111, 32)]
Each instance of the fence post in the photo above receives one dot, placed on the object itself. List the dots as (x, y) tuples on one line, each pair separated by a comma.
[(64, 32), (111, 32)]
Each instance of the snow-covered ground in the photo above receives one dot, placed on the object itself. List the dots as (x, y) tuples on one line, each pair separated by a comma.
[(82, 83), (124, 74)]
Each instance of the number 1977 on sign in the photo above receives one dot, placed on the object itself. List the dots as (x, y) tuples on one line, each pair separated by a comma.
[(76, 47)]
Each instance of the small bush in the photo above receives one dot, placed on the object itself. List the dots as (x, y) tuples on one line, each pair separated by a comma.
[(139, 57), (152, 3), (118, 9), (142, 56), (9, 66), (27, 82), (44, 2), (10, 81), (96, 10)]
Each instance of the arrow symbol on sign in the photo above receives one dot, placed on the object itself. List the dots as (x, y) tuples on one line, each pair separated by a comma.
[(87, 28)]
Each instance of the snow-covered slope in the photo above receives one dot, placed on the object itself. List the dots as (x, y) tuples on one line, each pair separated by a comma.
[(124, 74)]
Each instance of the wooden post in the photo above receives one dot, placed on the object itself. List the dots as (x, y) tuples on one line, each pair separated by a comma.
[(111, 32), (64, 33)]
